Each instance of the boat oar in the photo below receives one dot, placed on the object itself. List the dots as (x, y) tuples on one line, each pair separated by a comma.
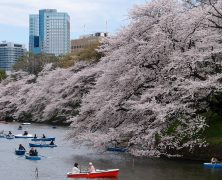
[(43, 156)]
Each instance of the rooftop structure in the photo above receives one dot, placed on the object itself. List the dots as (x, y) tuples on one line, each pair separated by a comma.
[(86, 40)]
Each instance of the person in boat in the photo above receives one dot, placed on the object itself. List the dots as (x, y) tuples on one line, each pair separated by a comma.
[(25, 133), (43, 136), (35, 136), (52, 143), (75, 169), (214, 160), (9, 133), (91, 168), (32, 152), (35, 152), (21, 147), (20, 127)]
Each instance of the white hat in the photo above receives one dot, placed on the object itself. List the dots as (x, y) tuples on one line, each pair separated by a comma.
[(90, 163)]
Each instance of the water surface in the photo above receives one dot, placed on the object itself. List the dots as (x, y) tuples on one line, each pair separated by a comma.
[(56, 162)]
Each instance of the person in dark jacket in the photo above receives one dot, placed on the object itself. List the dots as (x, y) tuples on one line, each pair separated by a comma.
[(35, 152), (52, 143), (21, 147), (31, 152)]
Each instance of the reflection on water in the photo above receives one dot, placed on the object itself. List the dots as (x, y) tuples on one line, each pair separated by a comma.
[(56, 162)]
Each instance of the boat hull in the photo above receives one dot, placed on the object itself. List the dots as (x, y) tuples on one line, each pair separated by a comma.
[(22, 136), (112, 173), (117, 149), (34, 158), (2, 136), (26, 123), (9, 137), (210, 165), (20, 152), (43, 139), (41, 145)]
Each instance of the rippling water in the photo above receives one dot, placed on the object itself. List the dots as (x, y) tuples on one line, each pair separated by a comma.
[(58, 161)]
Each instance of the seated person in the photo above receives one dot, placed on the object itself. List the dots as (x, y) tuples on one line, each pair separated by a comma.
[(35, 152), (25, 133), (43, 136), (75, 169), (35, 136), (9, 133), (214, 160), (52, 143), (91, 168), (31, 152), (21, 147)]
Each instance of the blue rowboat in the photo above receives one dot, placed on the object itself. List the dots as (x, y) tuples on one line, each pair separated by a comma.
[(213, 165), (32, 157), (19, 152), (23, 136), (117, 149), (41, 145), (9, 137), (2, 135), (43, 139)]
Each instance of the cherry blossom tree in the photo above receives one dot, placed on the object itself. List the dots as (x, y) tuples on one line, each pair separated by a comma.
[(147, 91), (155, 72)]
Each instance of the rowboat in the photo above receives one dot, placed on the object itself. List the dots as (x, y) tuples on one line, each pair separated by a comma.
[(24, 136), (41, 145), (117, 149), (20, 152), (109, 173), (32, 157), (2, 135), (213, 165), (9, 137), (26, 123), (43, 139)]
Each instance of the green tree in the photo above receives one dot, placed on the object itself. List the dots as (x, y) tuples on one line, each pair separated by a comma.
[(34, 64), (89, 54), (2, 75)]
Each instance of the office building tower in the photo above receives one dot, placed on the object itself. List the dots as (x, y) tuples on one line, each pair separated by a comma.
[(34, 34), (9, 54), (54, 32)]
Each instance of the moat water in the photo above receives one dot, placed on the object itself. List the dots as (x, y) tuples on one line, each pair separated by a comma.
[(56, 162)]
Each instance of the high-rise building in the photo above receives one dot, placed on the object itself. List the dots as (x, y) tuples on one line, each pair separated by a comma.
[(9, 54), (54, 32), (34, 34)]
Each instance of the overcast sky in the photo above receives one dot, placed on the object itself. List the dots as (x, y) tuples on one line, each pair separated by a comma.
[(92, 14)]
